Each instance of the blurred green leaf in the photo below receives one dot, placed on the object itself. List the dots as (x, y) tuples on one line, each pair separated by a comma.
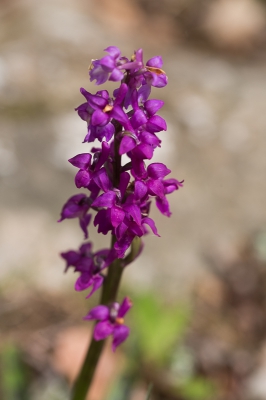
[(158, 328), (13, 377), (197, 389)]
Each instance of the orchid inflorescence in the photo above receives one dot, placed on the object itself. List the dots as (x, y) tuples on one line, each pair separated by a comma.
[(120, 194)]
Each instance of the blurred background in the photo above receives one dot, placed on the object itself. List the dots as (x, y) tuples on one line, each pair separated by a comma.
[(199, 316)]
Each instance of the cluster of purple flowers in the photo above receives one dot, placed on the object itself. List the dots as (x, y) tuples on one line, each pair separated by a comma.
[(120, 194)]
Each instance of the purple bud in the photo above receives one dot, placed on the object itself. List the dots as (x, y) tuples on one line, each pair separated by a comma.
[(81, 161)]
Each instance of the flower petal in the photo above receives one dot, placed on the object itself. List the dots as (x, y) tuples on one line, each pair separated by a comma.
[(105, 200), (99, 312), (120, 334), (125, 307), (151, 224), (102, 180), (81, 161), (153, 105), (157, 170), (82, 178), (117, 216), (102, 330), (163, 206), (97, 283), (127, 143)]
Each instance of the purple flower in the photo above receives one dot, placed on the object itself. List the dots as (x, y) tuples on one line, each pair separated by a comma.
[(90, 265), (96, 113), (111, 322), (111, 66), (88, 168), (139, 138), (77, 207), (99, 110), (106, 68)]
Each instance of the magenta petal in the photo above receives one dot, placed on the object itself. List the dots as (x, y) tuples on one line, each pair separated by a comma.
[(116, 75), (120, 93), (120, 334), (156, 124), (108, 131), (84, 222), (157, 170), (140, 190), (149, 138), (143, 151), (113, 51), (99, 312), (102, 219), (82, 178), (135, 229), (81, 161), (138, 119), (134, 211), (117, 216), (163, 206), (123, 244), (156, 187), (125, 307), (144, 93), (103, 156), (97, 283), (71, 257), (127, 144), (170, 185), (121, 231), (102, 330), (158, 81), (99, 118), (83, 282), (107, 63), (118, 114), (98, 73), (152, 106), (124, 180), (138, 168), (156, 62), (151, 224), (102, 180), (105, 200), (103, 93)]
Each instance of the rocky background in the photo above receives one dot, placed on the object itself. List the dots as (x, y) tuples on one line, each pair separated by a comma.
[(214, 55)]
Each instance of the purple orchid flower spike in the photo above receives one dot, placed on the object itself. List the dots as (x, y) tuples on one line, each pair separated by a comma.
[(111, 322), (118, 193)]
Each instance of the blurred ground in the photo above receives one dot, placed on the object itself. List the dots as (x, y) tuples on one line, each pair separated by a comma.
[(214, 55)]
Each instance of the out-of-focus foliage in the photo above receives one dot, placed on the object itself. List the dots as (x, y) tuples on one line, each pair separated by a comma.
[(157, 328), (13, 377)]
